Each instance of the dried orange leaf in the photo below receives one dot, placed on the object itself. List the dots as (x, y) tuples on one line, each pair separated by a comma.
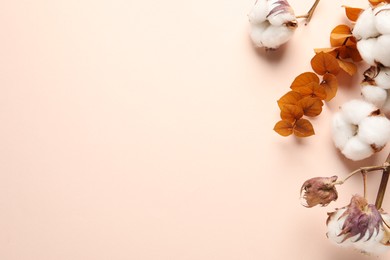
[(319, 92), (348, 67), (376, 2), (303, 128), (311, 106), (290, 98), (291, 113), (352, 12), (323, 63), (326, 50), (284, 128), (329, 82), (312, 89), (304, 79), (339, 35)]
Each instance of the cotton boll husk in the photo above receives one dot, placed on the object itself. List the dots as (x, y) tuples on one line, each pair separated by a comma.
[(365, 25), (356, 110), (274, 36), (382, 50), (342, 131), (257, 32), (366, 244), (278, 19), (366, 49), (383, 78), (382, 18), (374, 95), (375, 130), (373, 245), (386, 106), (259, 12), (356, 149)]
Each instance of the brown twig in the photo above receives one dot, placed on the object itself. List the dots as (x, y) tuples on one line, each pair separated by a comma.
[(383, 184), (310, 13)]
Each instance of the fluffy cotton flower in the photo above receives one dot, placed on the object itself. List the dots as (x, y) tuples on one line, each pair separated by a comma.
[(365, 26), (366, 49), (359, 130), (374, 95), (381, 19), (359, 225), (273, 23), (372, 31)]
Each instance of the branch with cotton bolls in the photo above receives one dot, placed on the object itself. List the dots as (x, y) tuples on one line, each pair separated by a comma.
[(361, 225)]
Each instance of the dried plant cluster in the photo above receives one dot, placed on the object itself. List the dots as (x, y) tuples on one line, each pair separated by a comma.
[(359, 129), (359, 225), (326, 63)]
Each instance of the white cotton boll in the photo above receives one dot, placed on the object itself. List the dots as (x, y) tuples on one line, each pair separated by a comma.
[(274, 36), (375, 130), (383, 78), (259, 12), (278, 19), (382, 50), (374, 95), (382, 18), (356, 110), (257, 32), (356, 149), (365, 25), (342, 131), (335, 226), (366, 49)]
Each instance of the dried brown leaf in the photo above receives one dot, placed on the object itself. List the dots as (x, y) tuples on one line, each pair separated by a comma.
[(291, 113), (290, 98), (323, 63), (353, 13), (304, 79), (312, 89), (347, 66), (330, 84), (284, 128), (311, 106), (340, 35), (326, 50), (303, 128), (376, 2)]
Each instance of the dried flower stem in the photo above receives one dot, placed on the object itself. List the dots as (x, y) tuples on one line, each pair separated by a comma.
[(383, 184), (364, 174), (310, 13), (363, 170)]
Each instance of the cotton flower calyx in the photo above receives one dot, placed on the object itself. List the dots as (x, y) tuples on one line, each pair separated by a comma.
[(319, 191), (359, 225), (273, 23)]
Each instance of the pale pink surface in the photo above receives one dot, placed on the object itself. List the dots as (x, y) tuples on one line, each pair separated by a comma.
[(143, 130)]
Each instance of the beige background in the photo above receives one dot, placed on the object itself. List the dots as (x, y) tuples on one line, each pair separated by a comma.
[(143, 130)]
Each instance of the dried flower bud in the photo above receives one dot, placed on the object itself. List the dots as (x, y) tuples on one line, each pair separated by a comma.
[(359, 225), (319, 190)]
